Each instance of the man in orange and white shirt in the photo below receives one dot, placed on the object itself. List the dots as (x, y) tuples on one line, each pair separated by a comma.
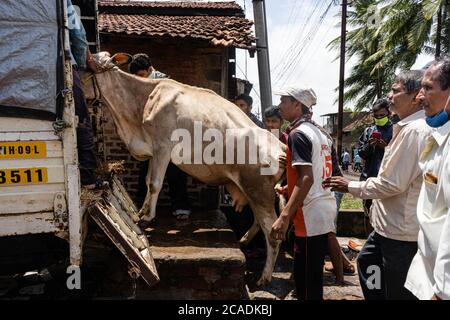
[(311, 207)]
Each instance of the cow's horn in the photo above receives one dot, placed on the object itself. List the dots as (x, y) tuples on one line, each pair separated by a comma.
[(120, 58)]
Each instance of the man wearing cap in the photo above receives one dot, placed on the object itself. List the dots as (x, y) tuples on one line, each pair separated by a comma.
[(385, 258), (311, 207)]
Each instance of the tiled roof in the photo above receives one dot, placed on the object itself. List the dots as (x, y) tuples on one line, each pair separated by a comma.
[(172, 4), (363, 119), (219, 27)]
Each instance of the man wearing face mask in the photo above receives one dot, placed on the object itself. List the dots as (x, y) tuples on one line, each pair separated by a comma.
[(390, 248), (371, 148), (429, 274)]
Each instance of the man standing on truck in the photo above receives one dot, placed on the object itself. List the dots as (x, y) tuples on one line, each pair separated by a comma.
[(81, 58)]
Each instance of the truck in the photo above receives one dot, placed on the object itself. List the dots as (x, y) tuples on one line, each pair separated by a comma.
[(40, 193)]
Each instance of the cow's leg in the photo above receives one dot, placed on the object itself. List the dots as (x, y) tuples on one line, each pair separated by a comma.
[(239, 202), (265, 215), (250, 234), (261, 201), (145, 209), (155, 178), (239, 199)]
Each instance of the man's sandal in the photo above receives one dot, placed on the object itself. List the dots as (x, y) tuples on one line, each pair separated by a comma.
[(348, 270), (181, 215)]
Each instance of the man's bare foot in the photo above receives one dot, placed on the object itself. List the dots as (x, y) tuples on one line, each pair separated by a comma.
[(342, 283), (349, 270), (98, 185)]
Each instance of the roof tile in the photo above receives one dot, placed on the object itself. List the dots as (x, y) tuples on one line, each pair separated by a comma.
[(171, 4), (220, 30)]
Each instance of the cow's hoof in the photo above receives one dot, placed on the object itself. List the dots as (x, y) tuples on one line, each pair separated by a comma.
[(143, 213), (262, 282), (243, 242), (144, 224)]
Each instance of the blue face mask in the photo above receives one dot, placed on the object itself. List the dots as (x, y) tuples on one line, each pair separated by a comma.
[(438, 120)]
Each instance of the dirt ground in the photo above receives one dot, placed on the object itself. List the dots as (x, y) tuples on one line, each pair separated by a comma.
[(282, 286)]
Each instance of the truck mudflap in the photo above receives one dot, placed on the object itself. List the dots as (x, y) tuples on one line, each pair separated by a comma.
[(117, 216)]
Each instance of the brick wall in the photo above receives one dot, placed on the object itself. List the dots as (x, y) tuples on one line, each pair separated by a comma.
[(190, 62)]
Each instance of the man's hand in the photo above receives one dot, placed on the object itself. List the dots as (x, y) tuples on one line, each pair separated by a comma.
[(282, 190), (339, 184), (379, 143), (279, 228), (92, 63), (435, 297)]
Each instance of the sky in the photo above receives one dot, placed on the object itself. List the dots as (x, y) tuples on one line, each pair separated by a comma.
[(291, 23)]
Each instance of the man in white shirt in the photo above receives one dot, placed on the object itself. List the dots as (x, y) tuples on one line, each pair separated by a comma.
[(429, 274), (384, 260)]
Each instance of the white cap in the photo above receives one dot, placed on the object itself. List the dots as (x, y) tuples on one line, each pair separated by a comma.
[(306, 96)]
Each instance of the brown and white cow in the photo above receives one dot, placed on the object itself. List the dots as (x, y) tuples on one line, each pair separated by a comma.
[(146, 112)]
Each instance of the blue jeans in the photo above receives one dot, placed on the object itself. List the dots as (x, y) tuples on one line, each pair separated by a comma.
[(85, 134), (392, 259)]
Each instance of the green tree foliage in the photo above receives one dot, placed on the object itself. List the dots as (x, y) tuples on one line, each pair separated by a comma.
[(387, 36)]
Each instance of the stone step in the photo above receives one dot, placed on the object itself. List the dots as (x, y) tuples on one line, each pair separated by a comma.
[(196, 259)]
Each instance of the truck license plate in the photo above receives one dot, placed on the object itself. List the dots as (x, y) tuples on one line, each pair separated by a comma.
[(23, 176), (23, 150)]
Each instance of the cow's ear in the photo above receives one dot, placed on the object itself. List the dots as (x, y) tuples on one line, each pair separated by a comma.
[(120, 59)]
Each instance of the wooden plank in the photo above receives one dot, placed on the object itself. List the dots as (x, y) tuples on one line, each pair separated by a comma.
[(49, 187), (134, 248), (27, 163), (43, 222), (26, 202), (24, 125), (29, 136)]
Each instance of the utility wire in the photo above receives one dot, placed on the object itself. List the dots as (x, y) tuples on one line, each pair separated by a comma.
[(297, 40), (293, 63), (299, 43)]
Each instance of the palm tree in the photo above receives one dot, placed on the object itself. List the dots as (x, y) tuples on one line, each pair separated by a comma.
[(364, 84), (406, 29)]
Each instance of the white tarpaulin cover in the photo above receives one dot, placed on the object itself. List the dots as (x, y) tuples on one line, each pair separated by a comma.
[(28, 54)]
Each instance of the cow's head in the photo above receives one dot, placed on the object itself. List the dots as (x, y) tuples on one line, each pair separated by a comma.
[(104, 63)]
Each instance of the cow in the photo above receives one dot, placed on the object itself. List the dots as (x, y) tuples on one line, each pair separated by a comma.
[(147, 112)]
